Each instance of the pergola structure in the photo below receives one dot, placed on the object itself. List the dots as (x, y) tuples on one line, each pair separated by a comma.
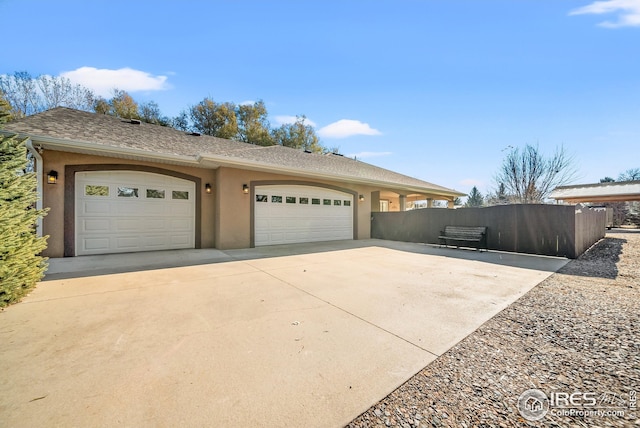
[(624, 191)]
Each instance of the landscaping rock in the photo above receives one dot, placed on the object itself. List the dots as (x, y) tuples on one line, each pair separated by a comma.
[(577, 331)]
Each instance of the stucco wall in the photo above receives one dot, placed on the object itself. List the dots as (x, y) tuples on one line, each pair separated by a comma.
[(53, 194), (226, 212)]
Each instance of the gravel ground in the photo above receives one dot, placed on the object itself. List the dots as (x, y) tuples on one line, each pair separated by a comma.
[(575, 332)]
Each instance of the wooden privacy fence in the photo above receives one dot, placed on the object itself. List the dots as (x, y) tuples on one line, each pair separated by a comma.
[(552, 230)]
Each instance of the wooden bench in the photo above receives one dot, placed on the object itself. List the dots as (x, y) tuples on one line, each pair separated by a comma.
[(475, 236)]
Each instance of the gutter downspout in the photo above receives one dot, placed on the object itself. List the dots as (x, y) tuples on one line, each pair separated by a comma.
[(38, 159)]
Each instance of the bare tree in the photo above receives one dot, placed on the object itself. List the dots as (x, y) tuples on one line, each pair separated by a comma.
[(28, 95), (21, 92), (632, 174), (59, 91), (529, 177)]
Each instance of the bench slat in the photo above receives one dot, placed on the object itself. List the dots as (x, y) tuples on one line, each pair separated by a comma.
[(464, 233)]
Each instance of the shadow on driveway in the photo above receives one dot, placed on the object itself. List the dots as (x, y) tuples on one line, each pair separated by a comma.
[(76, 267)]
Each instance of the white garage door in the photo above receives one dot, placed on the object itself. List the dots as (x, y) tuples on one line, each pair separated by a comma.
[(126, 211), (290, 214)]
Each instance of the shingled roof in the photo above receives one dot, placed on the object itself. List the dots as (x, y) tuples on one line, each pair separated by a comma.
[(78, 131)]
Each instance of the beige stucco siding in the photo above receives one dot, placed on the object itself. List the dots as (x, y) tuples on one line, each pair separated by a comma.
[(54, 194), (225, 213)]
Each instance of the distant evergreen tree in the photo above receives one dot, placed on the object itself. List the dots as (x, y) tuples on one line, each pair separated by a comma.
[(21, 267), (475, 198)]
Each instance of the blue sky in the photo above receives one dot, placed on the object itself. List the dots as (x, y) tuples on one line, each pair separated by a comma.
[(432, 89)]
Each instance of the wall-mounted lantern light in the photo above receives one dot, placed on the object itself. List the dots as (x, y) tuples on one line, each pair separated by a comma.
[(52, 177), (207, 188), (245, 189), (361, 198)]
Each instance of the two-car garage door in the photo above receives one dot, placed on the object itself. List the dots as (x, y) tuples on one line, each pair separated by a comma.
[(127, 211), (286, 214)]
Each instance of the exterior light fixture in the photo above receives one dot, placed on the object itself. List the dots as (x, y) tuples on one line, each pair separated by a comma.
[(52, 177), (245, 189), (361, 198), (207, 188)]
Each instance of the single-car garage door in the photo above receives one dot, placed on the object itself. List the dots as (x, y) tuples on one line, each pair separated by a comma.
[(286, 214), (126, 211)]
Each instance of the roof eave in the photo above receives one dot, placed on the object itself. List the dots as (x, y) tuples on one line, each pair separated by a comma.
[(234, 162), (84, 147), (215, 161)]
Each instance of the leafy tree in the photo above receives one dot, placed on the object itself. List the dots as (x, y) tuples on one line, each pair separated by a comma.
[(150, 113), (253, 126), (475, 198), (21, 267), (123, 105), (632, 174), (298, 135), (216, 119), (102, 106), (529, 176), (607, 180), (181, 121)]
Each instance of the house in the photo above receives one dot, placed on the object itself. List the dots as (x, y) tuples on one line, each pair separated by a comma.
[(115, 185)]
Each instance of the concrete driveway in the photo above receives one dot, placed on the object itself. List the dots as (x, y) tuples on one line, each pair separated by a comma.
[(296, 335)]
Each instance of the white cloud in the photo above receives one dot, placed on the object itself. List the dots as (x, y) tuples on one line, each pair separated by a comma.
[(247, 103), (628, 12), (368, 154), (102, 81), (284, 120), (347, 128)]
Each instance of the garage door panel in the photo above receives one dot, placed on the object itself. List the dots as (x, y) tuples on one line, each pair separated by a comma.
[(144, 217), (158, 241), (95, 207), (297, 218), (96, 244), (95, 225), (180, 240), (181, 210), (180, 224), (129, 208), (127, 225), (155, 224), (128, 242)]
